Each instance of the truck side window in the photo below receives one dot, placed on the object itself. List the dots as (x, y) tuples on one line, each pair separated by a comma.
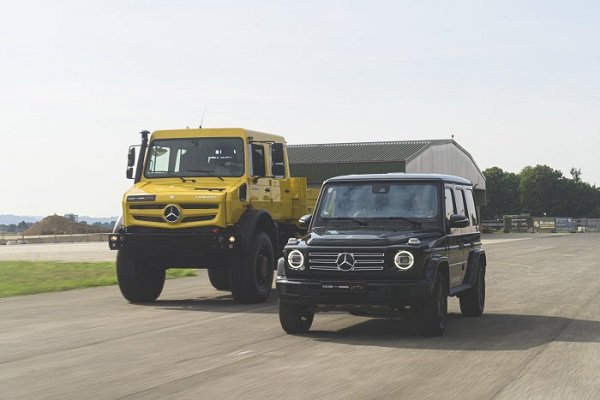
[(460, 202), (277, 165), (258, 160), (471, 206), (450, 209)]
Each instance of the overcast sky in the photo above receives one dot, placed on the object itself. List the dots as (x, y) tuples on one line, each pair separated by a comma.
[(516, 82)]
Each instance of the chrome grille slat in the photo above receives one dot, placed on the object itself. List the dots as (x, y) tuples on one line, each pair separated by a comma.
[(327, 261)]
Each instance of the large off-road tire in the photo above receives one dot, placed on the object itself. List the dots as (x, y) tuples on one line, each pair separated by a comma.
[(219, 278), (294, 318), (140, 279), (431, 315), (472, 301), (251, 276)]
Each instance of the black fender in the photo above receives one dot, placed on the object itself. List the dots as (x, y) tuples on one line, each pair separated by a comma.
[(433, 267), (257, 220), (473, 263)]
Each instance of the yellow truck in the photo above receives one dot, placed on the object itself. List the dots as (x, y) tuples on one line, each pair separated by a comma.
[(221, 199)]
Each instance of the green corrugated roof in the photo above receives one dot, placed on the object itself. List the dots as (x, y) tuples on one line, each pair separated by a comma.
[(331, 153)]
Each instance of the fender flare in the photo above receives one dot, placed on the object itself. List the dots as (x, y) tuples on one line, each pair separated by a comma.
[(473, 262), (433, 266), (254, 220)]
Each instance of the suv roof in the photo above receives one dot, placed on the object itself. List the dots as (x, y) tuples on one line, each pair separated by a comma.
[(401, 176)]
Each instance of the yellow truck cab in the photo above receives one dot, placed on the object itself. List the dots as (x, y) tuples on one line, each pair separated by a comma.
[(221, 199)]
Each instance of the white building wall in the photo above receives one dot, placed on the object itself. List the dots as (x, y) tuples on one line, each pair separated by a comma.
[(446, 159)]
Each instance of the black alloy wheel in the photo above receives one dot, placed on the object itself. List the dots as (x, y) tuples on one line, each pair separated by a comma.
[(472, 301), (432, 314)]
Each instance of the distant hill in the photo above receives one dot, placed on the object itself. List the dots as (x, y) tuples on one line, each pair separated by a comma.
[(57, 225)]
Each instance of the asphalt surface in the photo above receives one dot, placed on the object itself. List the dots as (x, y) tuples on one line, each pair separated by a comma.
[(538, 339)]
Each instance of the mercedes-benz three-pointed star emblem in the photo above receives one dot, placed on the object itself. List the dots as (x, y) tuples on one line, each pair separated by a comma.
[(345, 261), (172, 213)]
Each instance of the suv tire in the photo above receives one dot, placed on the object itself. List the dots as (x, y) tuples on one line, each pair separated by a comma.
[(294, 318), (472, 301), (251, 277), (431, 315), (139, 279), (219, 278)]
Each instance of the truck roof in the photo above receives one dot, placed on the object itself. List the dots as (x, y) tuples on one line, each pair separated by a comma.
[(400, 176), (217, 132)]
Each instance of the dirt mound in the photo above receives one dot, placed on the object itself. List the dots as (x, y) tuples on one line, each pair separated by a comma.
[(57, 225)]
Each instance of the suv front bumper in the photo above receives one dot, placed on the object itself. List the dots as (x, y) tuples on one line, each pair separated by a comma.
[(317, 293)]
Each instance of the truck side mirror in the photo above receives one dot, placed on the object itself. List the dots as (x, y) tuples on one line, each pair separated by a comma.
[(130, 162), (277, 153), (131, 157), (278, 170), (304, 220), (458, 221)]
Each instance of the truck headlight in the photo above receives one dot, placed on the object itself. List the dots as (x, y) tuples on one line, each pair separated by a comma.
[(295, 260), (404, 260)]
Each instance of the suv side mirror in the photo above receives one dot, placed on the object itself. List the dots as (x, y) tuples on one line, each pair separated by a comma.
[(130, 162), (277, 170), (304, 220), (277, 153), (458, 221)]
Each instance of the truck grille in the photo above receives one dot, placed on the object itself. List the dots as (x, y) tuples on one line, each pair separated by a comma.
[(363, 261), (190, 212)]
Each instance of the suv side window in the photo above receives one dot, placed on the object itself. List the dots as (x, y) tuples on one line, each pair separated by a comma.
[(258, 160), (460, 202), (450, 208), (471, 206)]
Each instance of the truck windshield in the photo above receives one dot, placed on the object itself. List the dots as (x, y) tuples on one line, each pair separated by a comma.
[(193, 157), (394, 205)]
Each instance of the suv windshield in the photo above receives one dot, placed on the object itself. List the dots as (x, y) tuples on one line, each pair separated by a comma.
[(195, 157), (381, 204)]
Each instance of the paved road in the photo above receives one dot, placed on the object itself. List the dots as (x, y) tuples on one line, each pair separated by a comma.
[(539, 339)]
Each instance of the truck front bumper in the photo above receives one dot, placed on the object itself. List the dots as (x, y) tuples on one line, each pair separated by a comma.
[(211, 238)]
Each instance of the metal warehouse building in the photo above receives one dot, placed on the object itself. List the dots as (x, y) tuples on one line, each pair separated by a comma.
[(322, 161)]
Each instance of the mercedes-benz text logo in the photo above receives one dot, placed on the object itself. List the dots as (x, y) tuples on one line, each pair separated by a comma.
[(345, 261), (172, 213)]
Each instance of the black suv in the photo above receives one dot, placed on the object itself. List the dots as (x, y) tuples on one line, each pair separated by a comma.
[(385, 245)]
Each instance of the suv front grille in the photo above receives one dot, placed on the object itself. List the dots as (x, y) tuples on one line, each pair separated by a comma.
[(363, 261)]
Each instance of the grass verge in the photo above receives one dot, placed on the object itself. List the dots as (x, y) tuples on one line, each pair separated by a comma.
[(30, 277)]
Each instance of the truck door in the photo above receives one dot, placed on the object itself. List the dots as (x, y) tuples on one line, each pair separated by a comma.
[(260, 184), (280, 184)]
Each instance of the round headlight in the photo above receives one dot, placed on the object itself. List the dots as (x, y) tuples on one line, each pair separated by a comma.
[(296, 260), (404, 260)]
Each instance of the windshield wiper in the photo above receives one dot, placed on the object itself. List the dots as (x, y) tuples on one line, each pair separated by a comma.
[(179, 176), (414, 222), (353, 219), (210, 171)]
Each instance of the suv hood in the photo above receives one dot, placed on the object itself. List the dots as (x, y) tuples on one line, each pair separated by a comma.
[(332, 237)]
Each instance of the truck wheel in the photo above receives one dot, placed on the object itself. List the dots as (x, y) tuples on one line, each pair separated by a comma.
[(140, 280), (431, 316), (472, 301), (294, 318), (219, 278), (251, 277)]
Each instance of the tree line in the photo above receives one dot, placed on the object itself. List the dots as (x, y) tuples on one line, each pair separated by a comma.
[(539, 191)]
